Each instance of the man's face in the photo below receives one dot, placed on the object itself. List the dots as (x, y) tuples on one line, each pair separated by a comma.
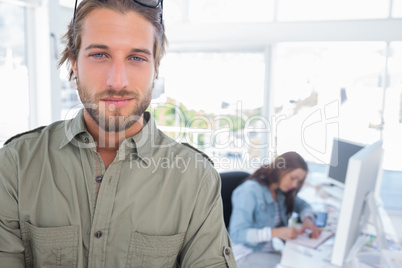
[(115, 68)]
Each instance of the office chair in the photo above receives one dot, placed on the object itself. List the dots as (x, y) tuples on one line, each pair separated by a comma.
[(230, 180)]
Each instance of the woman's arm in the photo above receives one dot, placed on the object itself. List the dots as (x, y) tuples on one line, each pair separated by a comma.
[(285, 233), (307, 216), (303, 208), (243, 227)]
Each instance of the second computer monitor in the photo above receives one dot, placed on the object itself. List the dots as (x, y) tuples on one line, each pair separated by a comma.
[(342, 150), (362, 175)]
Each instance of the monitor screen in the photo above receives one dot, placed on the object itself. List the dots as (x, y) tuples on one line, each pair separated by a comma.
[(342, 150)]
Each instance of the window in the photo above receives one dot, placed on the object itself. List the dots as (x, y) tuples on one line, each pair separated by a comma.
[(327, 90), (175, 11), (70, 100), (393, 109), (213, 101), (295, 10), (13, 72), (208, 11), (397, 9)]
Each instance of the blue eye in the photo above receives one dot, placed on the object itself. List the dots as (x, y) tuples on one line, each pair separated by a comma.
[(98, 55), (137, 58)]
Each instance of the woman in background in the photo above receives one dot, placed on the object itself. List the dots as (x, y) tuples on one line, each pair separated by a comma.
[(262, 206)]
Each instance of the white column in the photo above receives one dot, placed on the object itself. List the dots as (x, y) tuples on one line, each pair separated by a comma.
[(39, 64), (268, 104)]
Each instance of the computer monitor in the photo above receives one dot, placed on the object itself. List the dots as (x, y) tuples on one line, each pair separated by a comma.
[(361, 179), (342, 150)]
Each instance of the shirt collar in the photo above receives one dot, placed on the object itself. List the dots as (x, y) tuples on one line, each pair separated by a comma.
[(73, 130), (268, 195), (280, 196), (141, 143)]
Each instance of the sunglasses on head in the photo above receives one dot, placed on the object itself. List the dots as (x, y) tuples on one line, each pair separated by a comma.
[(145, 3)]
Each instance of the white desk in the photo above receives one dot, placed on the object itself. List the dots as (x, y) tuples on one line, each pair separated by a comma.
[(297, 256)]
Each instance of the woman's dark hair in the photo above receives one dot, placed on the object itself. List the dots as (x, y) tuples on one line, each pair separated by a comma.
[(272, 173)]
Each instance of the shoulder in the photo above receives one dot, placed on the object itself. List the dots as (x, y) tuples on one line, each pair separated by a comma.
[(251, 185), (301, 201), (184, 150), (184, 162), (165, 146), (248, 195), (198, 162), (26, 135), (198, 152), (33, 135), (248, 187)]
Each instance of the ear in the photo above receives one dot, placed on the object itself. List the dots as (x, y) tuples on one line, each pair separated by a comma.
[(74, 67)]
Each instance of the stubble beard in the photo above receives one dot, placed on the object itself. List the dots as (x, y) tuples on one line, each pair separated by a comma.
[(116, 122)]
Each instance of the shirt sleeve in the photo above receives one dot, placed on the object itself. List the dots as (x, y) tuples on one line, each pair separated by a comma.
[(242, 228), (303, 209), (11, 246), (207, 242)]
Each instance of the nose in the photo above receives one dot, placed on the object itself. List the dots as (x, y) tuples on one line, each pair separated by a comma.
[(117, 75)]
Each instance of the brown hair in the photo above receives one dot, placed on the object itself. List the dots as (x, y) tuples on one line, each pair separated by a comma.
[(74, 32), (272, 173)]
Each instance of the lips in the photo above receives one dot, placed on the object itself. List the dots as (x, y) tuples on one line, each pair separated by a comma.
[(117, 102), (289, 188)]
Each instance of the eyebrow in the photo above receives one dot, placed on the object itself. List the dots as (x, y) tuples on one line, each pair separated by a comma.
[(134, 50)]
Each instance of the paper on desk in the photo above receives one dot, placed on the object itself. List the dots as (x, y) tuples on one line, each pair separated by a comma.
[(312, 242), (391, 258)]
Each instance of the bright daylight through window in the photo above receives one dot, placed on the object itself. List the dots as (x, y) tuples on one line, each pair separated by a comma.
[(213, 102), (13, 72)]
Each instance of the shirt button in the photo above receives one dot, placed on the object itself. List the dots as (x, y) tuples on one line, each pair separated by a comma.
[(227, 251), (99, 179), (98, 234), (86, 140)]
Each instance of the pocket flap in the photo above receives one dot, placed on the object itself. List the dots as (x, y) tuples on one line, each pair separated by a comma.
[(150, 244), (55, 237)]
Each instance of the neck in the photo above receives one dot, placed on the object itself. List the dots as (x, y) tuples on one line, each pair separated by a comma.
[(110, 141), (273, 187)]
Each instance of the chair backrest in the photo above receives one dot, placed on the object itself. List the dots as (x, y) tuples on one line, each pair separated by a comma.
[(230, 180)]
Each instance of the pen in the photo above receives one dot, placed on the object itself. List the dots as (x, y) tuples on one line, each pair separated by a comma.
[(292, 222), (307, 232)]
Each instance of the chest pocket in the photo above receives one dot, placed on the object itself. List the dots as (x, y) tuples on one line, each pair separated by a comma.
[(50, 247), (153, 251)]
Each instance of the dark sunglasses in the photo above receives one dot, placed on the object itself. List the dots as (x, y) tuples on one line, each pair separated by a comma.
[(145, 3)]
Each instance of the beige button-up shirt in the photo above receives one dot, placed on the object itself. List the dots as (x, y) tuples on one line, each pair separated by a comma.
[(158, 204)]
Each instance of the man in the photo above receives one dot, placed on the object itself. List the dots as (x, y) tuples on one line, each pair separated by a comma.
[(107, 188)]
